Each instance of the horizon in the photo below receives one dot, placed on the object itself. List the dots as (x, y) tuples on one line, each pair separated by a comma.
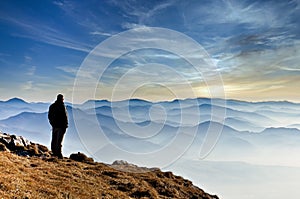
[(252, 46), (225, 99)]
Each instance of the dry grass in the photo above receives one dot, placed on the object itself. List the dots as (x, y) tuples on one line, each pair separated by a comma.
[(32, 177)]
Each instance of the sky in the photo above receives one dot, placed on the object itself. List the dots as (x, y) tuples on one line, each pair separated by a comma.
[(254, 46)]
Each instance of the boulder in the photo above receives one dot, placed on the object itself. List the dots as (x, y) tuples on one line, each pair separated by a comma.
[(80, 157), (21, 146), (3, 147)]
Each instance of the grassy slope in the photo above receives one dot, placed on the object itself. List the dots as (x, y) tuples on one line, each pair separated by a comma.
[(22, 177)]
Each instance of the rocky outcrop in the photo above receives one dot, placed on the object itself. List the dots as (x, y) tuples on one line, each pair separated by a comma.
[(21, 146), (155, 183), (81, 157)]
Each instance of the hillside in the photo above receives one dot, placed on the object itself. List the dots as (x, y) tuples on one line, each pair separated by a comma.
[(46, 177)]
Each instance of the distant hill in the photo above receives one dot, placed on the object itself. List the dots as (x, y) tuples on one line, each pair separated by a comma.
[(15, 101)]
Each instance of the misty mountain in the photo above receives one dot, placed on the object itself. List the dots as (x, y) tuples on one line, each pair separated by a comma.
[(16, 106), (160, 133), (241, 124)]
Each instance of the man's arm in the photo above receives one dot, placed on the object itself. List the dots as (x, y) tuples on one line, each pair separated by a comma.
[(67, 122), (51, 115)]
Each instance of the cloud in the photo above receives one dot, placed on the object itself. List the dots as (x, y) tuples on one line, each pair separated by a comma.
[(28, 58), (157, 8), (89, 21), (254, 13), (38, 31), (27, 85), (230, 25), (58, 3), (31, 71), (68, 69), (265, 74), (141, 13), (127, 25), (290, 69), (101, 33)]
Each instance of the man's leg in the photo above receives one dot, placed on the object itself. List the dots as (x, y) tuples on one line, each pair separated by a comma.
[(60, 138), (56, 143)]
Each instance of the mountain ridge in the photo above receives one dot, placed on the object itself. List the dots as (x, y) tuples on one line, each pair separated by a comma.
[(238, 101)]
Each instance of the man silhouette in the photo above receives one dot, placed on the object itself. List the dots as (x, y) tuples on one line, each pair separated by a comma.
[(58, 118)]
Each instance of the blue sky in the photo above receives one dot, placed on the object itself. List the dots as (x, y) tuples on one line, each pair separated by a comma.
[(255, 45)]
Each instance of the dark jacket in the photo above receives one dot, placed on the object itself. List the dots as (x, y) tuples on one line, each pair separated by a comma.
[(57, 115)]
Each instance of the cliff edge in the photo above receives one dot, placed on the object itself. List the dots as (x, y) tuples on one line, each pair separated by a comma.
[(29, 172)]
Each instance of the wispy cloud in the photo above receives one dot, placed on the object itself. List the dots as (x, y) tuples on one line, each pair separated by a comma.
[(27, 85), (4, 57), (253, 13), (58, 3), (290, 69), (38, 31), (27, 58), (101, 33), (269, 72), (31, 71), (89, 21), (127, 25), (139, 13), (68, 69), (243, 25)]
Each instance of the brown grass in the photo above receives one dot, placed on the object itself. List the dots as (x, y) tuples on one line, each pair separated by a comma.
[(32, 177)]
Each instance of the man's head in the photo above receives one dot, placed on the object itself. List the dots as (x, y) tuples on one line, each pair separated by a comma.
[(60, 98)]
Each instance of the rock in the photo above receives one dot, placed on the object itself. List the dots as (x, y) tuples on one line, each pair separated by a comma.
[(122, 162), (123, 165), (13, 142), (21, 146), (80, 157), (4, 138), (3, 147)]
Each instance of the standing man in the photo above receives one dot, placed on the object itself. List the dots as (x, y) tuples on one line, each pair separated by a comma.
[(58, 118)]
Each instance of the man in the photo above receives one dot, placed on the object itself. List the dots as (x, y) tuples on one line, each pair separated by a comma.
[(58, 119)]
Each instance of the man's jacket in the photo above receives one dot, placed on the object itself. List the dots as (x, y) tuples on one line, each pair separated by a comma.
[(57, 115)]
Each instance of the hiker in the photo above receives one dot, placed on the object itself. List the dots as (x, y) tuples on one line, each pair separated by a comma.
[(58, 118)]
